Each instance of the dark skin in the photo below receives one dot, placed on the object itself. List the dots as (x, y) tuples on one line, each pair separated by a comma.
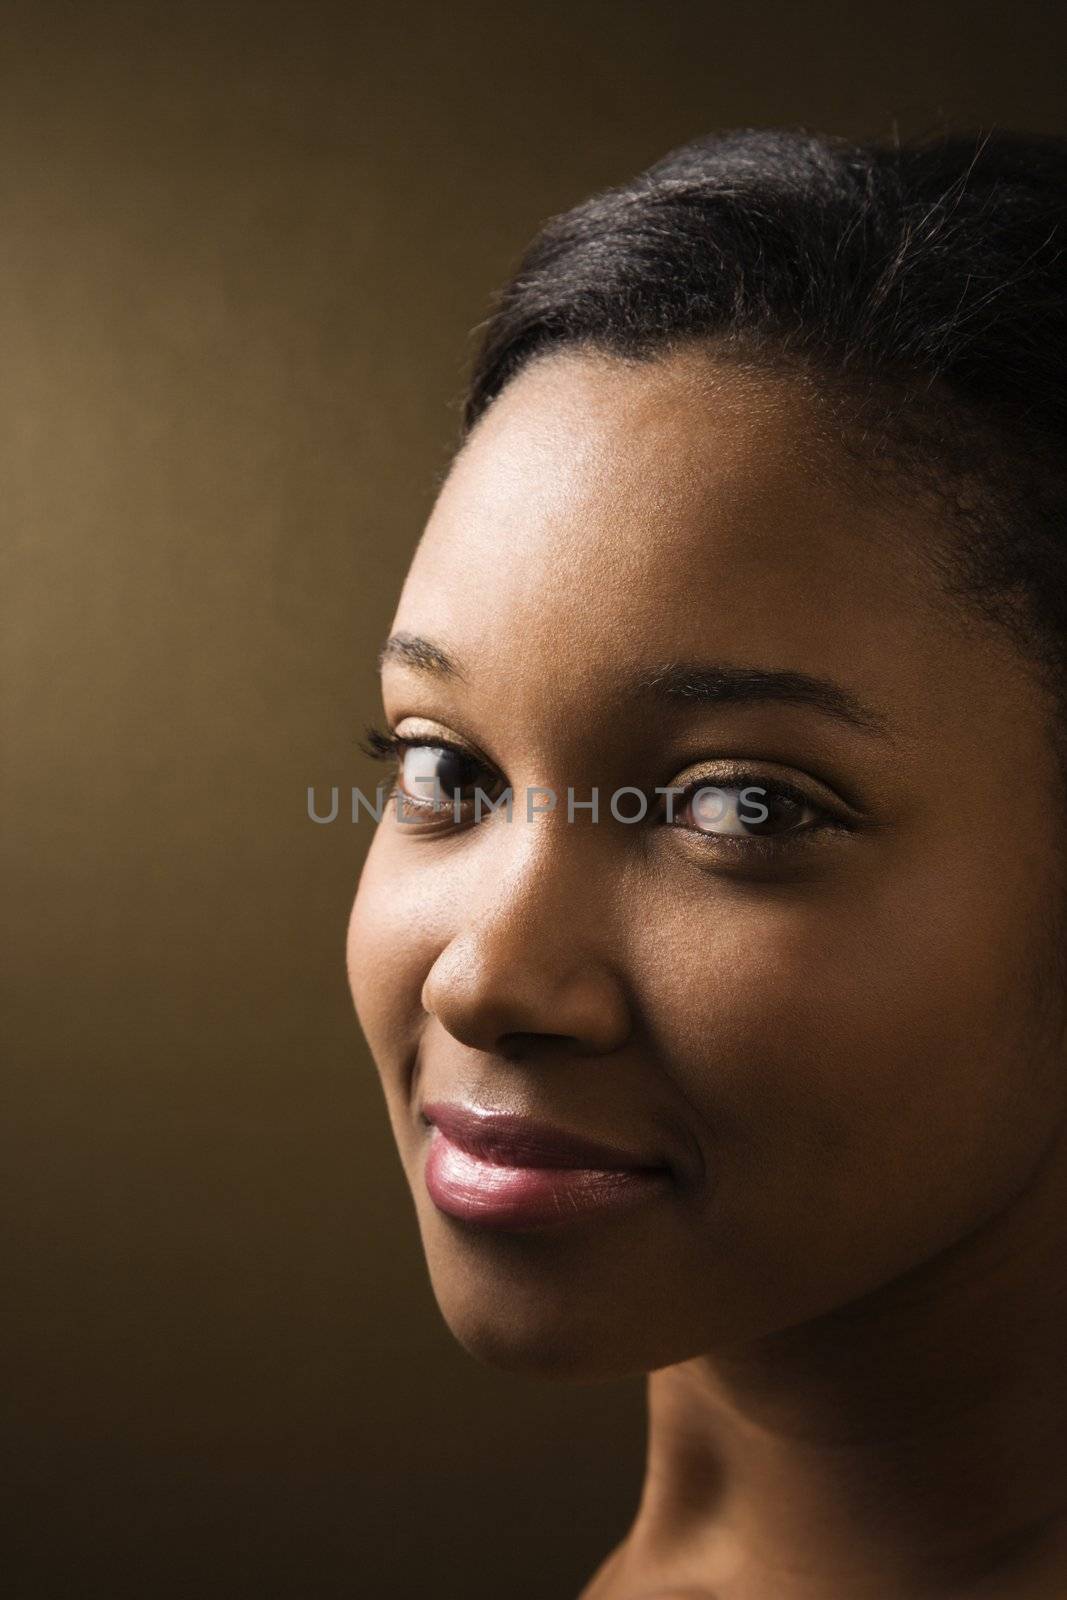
[(849, 1044)]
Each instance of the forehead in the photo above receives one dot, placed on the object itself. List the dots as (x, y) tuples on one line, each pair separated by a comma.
[(606, 514)]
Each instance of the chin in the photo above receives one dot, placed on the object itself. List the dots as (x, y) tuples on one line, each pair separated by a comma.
[(595, 1303), (511, 1304), (553, 1349), (548, 1324)]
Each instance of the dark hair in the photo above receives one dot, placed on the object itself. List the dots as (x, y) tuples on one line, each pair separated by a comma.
[(921, 285)]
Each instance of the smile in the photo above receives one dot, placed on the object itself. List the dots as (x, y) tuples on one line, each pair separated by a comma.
[(505, 1171)]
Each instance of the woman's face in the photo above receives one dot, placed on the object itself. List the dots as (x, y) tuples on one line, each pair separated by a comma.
[(822, 1016)]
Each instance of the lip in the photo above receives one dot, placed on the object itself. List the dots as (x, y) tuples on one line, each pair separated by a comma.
[(503, 1170)]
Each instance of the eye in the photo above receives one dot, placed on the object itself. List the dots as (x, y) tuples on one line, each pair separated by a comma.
[(748, 806), (436, 774), (433, 775)]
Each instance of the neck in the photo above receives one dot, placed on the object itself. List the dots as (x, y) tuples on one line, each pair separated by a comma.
[(909, 1444)]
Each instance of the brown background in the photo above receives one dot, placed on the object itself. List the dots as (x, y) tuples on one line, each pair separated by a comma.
[(242, 248)]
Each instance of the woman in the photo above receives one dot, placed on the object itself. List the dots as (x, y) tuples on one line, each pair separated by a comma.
[(754, 1079)]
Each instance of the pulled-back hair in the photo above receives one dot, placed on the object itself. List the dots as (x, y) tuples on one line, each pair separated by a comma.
[(923, 286)]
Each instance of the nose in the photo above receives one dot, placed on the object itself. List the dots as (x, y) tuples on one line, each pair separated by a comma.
[(534, 964)]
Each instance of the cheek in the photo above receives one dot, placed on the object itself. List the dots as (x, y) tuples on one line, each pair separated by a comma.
[(867, 1077), (391, 947)]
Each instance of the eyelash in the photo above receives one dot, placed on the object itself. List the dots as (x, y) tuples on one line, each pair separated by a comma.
[(381, 745)]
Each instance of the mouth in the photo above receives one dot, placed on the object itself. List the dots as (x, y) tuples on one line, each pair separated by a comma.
[(502, 1170)]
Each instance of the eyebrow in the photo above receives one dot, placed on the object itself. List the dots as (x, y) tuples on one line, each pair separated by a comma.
[(412, 650), (717, 683)]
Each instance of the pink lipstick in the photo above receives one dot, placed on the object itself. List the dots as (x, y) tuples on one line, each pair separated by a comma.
[(501, 1170)]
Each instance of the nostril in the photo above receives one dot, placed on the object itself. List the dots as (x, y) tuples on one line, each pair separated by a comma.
[(517, 1046)]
